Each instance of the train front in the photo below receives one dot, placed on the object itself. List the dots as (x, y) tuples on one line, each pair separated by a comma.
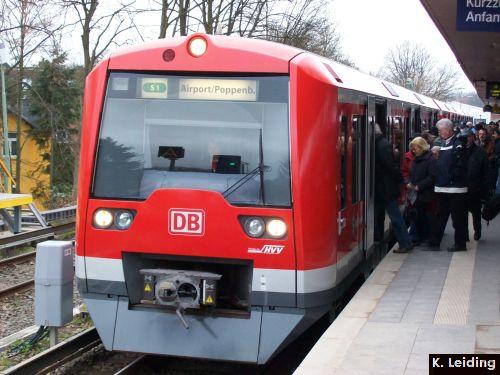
[(185, 230)]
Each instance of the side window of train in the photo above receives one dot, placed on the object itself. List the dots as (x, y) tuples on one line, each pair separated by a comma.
[(408, 134), (362, 156), (356, 159), (343, 162), (397, 139)]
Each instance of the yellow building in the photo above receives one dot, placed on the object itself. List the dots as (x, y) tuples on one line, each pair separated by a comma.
[(35, 178)]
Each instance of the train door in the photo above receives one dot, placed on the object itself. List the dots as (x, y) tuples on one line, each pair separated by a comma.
[(381, 118), (349, 252), (344, 215), (357, 180), (369, 174)]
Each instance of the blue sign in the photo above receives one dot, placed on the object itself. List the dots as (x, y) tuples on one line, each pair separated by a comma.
[(478, 15)]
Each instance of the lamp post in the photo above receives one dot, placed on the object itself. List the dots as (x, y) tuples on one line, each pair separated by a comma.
[(6, 149)]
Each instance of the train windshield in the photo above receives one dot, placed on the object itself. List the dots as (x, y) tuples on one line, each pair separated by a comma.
[(225, 134)]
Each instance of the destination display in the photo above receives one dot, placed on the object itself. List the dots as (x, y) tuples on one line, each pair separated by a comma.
[(493, 90), (218, 89), (187, 88), (478, 15)]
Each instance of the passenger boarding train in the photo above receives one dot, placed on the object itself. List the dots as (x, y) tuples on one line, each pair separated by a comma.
[(226, 188)]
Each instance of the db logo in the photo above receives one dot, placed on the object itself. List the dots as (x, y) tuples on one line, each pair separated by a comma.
[(186, 221)]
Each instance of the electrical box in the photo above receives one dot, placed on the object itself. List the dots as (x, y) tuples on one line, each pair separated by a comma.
[(54, 275)]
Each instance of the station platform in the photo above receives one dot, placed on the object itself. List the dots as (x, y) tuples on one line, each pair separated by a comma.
[(15, 202), (415, 304)]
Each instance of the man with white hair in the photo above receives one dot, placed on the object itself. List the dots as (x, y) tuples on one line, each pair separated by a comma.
[(451, 188)]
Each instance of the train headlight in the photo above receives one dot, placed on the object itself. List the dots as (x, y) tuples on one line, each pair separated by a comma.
[(276, 228), (255, 226), (197, 46), (123, 219), (103, 218)]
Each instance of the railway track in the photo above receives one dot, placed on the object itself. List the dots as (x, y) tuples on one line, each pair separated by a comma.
[(21, 287), (36, 235), (58, 355), (134, 366), (76, 346), (25, 238), (18, 258)]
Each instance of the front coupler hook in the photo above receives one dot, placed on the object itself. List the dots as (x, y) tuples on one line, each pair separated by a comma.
[(180, 313)]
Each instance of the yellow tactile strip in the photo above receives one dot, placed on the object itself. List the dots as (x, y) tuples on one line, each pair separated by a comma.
[(453, 305)]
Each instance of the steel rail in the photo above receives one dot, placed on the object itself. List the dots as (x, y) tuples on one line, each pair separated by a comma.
[(21, 287), (133, 367), (58, 355), (18, 258), (35, 235)]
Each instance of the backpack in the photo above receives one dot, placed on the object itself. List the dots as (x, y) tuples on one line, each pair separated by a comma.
[(491, 208)]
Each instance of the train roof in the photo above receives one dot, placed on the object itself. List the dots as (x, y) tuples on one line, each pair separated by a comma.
[(353, 79), (255, 55), (243, 54)]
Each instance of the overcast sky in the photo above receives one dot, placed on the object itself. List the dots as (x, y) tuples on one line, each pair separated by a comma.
[(370, 27)]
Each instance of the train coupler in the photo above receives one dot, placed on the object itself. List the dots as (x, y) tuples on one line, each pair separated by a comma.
[(180, 288)]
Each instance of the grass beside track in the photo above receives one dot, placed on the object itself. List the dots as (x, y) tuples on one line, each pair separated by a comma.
[(78, 324)]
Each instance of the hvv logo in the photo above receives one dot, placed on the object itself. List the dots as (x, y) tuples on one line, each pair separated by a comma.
[(186, 221), (267, 249)]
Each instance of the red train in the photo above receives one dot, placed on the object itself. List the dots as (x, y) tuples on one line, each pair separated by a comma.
[(226, 192)]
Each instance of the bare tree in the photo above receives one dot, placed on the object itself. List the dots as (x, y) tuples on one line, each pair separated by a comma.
[(168, 16), (100, 26), (412, 66), (307, 25), (301, 23)]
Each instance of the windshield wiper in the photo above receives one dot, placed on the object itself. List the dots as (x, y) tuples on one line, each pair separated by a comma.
[(242, 181), (260, 170)]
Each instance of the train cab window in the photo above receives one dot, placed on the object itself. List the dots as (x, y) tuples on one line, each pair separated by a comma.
[(223, 134), (343, 161)]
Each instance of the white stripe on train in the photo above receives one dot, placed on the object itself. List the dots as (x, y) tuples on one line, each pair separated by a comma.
[(264, 279)]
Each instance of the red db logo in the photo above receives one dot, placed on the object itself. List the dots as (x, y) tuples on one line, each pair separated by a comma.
[(186, 221)]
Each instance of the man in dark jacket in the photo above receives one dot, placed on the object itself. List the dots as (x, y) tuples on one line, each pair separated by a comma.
[(477, 175), (451, 188), (388, 180), (495, 161)]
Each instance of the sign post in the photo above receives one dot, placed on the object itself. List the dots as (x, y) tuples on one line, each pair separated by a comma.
[(6, 149)]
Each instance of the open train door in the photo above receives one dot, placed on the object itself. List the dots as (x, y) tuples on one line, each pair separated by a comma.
[(369, 164)]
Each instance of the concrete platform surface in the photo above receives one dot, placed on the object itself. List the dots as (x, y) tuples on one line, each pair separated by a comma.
[(415, 304)]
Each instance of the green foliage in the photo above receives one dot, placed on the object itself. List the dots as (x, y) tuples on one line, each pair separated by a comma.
[(55, 100)]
